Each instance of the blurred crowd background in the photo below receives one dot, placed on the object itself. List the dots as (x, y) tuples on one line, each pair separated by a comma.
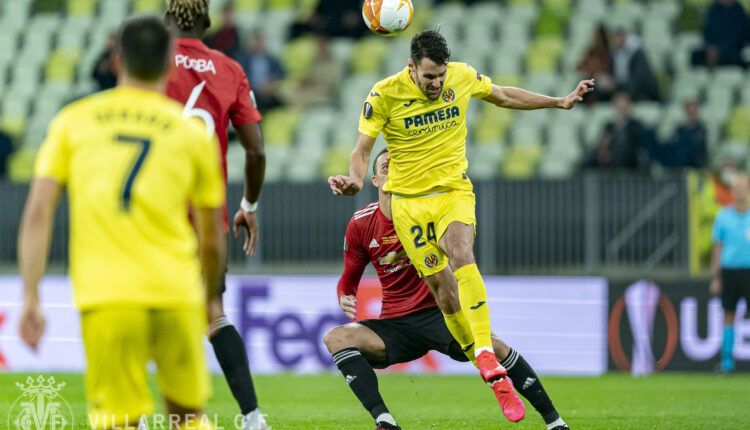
[(671, 109)]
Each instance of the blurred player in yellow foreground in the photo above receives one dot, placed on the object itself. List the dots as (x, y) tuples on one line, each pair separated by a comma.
[(132, 166)]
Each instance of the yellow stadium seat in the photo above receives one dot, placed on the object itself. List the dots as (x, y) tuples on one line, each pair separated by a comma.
[(738, 125), (336, 161), (560, 6), (81, 7), (493, 124), (146, 6), (506, 79), (368, 55), (248, 5), (21, 165), (543, 55), (14, 125), (281, 4), (279, 126), (61, 66), (521, 161), (298, 56)]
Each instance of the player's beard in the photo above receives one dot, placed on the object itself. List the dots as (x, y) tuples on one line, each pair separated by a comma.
[(431, 93)]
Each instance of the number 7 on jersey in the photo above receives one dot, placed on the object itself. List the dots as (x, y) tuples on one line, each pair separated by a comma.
[(127, 187)]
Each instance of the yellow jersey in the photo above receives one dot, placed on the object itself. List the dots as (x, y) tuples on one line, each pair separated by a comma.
[(426, 139), (132, 165)]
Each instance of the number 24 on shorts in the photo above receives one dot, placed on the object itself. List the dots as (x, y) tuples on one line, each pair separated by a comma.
[(418, 233)]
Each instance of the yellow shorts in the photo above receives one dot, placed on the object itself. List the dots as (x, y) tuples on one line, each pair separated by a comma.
[(420, 222), (119, 343)]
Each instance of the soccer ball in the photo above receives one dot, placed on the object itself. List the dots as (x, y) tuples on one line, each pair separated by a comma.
[(387, 17)]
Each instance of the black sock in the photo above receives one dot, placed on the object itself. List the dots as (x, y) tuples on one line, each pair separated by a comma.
[(527, 384), (361, 379), (230, 352)]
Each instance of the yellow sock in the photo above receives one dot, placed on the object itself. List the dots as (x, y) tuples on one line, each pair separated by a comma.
[(473, 298), (459, 327)]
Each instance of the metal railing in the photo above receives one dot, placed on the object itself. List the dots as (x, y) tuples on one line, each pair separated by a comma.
[(594, 223)]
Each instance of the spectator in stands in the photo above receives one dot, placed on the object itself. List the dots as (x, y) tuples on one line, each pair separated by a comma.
[(104, 72), (631, 69), (6, 149), (596, 63), (227, 38), (333, 18), (319, 84), (687, 146), (263, 70), (725, 32), (621, 143)]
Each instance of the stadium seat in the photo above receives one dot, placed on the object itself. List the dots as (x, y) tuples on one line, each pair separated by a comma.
[(543, 55), (521, 161), (279, 126), (81, 7), (298, 56), (353, 91), (484, 160), (21, 165), (248, 5), (281, 4), (368, 55), (148, 6), (61, 66), (336, 161), (738, 124), (25, 78), (553, 168), (492, 124)]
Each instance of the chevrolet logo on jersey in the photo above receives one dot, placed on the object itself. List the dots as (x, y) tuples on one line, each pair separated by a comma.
[(392, 258), (433, 117)]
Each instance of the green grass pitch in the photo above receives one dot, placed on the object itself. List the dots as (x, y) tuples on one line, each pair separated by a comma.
[(612, 402)]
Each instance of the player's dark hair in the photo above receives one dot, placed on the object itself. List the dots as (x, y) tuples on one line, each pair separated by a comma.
[(430, 44), (144, 43), (375, 161), (188, 13)]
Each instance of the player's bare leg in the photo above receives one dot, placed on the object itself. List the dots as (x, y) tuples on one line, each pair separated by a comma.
[(351, 346), (232, 357), (458, 243)]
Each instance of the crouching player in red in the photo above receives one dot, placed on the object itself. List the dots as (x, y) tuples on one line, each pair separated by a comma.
[(410, 324)]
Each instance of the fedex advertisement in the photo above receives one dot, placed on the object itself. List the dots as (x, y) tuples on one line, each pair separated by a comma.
[(558, 324)]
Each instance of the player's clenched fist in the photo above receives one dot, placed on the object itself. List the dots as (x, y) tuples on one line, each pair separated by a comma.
[(344, 185)]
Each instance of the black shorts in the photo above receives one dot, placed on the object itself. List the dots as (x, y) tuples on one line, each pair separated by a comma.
[(735, 284), (410, 337)]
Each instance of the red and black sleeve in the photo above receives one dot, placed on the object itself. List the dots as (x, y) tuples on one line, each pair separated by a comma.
[(355, 262)]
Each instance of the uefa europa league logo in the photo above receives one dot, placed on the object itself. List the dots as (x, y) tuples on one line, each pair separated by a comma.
[(40, 406)]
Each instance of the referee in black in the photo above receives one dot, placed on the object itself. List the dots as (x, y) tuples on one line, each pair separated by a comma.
[(730, 262)]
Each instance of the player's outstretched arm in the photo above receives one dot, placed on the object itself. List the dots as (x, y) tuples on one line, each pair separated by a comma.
[(251, 140), (518, 98), (350, 185), (34, 237), (211, 247)]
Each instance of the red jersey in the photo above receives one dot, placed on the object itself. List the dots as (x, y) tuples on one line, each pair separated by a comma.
[(371, 238), (213, 87)]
